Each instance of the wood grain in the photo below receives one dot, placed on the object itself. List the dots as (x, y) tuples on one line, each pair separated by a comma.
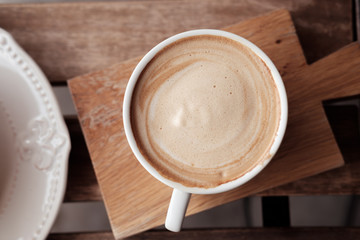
[(310, 233), (70, 39), (309, 147)]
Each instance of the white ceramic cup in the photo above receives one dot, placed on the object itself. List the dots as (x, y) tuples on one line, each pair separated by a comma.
[(181, 194)]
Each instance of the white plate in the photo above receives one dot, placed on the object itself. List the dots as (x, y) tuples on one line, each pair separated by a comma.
[(34, 147)]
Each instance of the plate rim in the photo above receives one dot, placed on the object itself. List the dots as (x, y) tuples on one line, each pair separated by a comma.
[(21, 62)]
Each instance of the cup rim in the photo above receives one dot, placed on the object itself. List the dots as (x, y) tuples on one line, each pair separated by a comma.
[(228, 185)]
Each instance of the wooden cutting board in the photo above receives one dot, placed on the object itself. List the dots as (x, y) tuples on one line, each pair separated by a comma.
[(135, 201)]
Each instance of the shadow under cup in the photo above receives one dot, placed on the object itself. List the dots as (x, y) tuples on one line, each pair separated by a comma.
[(164, 116)]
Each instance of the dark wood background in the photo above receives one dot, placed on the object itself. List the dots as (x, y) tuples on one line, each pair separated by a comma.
[(322, 26)]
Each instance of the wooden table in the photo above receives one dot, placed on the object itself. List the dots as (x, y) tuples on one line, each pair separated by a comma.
[(321, 27)]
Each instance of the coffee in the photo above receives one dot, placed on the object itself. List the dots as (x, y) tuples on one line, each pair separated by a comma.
[(205, 111)]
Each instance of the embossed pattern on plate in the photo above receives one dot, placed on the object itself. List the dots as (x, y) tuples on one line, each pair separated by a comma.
[(34, 146)]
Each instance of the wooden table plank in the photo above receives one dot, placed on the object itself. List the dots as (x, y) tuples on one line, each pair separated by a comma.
[(321, 24), (82, 184), (70, 39), (309, 233)]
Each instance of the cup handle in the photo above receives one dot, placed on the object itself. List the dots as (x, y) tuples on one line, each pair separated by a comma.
[(177, 209)]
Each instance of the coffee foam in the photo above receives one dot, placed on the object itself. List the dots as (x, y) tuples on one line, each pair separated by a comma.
[(205, 111)]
